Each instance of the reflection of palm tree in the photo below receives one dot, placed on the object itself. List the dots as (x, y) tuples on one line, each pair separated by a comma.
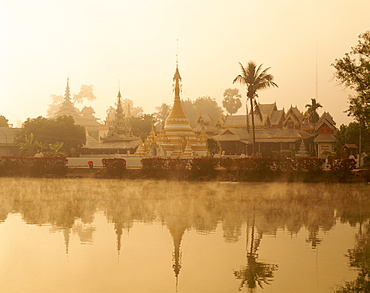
[(254, 273)]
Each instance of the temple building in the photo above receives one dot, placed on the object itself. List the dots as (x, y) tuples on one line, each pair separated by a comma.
[(85, 117), (119, 139), (278, 133), (177, 137)]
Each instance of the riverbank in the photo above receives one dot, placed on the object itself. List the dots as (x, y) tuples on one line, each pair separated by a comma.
[(221, 174)]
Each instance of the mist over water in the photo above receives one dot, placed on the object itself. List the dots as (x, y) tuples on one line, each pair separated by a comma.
[(68, 235)]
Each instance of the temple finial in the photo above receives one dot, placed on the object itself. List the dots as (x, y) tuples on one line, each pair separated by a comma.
[(177, 52), (67, 95)]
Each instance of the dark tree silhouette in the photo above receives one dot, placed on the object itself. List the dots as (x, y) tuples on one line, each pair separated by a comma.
[(255, 79)]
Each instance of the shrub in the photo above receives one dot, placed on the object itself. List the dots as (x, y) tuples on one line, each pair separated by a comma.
[(114, 167), (33, 167), (340, 169), (204, 168)]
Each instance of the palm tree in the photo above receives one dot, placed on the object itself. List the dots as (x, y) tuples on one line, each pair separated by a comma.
[(312, 110), (255, 79)]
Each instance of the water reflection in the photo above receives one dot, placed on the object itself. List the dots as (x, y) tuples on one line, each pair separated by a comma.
[(70, 206), (359, 257), (254, 272)]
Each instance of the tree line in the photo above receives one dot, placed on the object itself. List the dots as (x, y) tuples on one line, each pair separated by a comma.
[(353, 71)]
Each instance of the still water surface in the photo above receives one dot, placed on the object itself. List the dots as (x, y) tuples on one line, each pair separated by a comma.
[(84, 235)]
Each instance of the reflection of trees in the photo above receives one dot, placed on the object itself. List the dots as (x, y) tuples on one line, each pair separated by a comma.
[(69, 206), (359, 257), (255, 272)]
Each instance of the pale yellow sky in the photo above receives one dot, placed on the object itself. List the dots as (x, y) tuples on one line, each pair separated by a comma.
[(102, 41)]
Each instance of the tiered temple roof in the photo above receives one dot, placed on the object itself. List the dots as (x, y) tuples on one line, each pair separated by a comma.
[(177, 137)]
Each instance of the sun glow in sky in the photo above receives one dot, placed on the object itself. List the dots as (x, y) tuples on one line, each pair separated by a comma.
[(42, 42)]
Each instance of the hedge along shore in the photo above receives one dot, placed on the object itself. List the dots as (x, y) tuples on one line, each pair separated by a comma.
[(235, 170), (197, 169)]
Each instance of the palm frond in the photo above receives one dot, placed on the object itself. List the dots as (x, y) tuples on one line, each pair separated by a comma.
[(257, 110)]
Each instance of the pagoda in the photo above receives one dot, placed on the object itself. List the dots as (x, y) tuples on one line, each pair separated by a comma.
[(67, 108), (120, 137), (177, 138)]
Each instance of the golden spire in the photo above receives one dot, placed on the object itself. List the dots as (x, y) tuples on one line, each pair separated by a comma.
[(177, 110)]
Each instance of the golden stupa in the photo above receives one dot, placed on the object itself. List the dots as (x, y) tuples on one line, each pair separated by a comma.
[(177, 138)]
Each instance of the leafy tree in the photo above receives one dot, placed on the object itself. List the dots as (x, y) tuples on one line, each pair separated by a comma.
[(129, 109), (231, 101), (349, 134), (312, 110), (142, 125), (28, 146), (86, 92), (190, 111), (208, 105), (53, 132), (205, 105), (353, 70), (255, 79), (359, 258), (3, 121), (162, 112), (213, 146)]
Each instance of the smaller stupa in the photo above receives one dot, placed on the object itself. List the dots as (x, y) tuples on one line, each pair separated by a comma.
[(120, 137), (302, 151)]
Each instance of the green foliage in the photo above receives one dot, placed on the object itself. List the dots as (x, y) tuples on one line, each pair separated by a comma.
[(359, 258), (204, 168), (248, 169), (201, 105), (3, 121), (190, 111), (208, 105), (162, 112), (165, 168), (115, 167), (52, 132), (165, 163), (231, 101), (340, 170), (312, 111), (350, 134), (130, 110), (353, 70), (33, 167), (213, 146), (28, 146), (86, 92), (142, 125)]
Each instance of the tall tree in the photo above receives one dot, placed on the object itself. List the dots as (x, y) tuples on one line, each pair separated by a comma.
[(162, 113), (190, 111), (53, 132), (86, 92), (208, 105), (312, 110), (255, 79), (3, 121), (353, 71), (142, 125), (130, 110), (231, 101)]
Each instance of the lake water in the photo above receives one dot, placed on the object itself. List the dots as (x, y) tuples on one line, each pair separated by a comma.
[(84, 235)]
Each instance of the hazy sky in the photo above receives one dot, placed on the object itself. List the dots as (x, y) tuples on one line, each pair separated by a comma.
[(101, 42)]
